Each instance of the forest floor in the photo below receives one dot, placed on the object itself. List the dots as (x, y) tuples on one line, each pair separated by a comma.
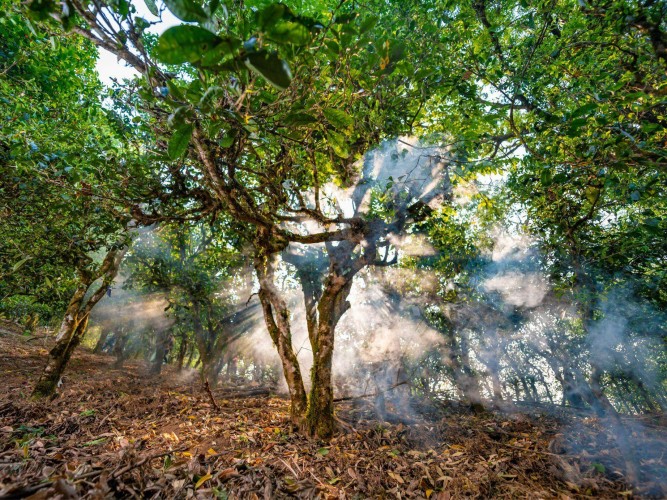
[(120, 433)]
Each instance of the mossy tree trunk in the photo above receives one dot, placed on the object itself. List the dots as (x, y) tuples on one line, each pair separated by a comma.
[(277, 319), (331, 307), (75, 321), (59, 357)]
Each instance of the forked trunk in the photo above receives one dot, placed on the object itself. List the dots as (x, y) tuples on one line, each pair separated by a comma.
[(73, 325), (59, 357)]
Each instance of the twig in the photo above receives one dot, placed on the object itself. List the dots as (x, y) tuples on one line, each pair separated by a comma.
[(373, 394), (117, 473), (561, 455), (210, 395), (250, 298), (35, 338), (345, 425), (289, 467)]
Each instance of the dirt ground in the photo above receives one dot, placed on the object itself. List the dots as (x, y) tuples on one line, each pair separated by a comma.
[(119, 433)]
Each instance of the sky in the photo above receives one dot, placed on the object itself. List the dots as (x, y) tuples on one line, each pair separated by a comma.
[(108, 65)]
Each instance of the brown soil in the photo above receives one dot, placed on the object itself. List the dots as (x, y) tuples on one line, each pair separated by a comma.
[(119, 433)]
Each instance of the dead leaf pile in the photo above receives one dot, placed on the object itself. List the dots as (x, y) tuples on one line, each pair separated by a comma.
[(119, 433)]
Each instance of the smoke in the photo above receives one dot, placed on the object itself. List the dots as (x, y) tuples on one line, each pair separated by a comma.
[(514, 271), (381, 332), (517, 288), (130, 313)]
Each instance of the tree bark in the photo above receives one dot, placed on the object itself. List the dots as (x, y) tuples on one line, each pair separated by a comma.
[(119, 351), (331, 307), (277, 318), (203, 346), (182, 349), (101, 341), (59, 357), (160, 352), (75, 321)]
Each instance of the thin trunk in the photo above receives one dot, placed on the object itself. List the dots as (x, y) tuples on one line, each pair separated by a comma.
[(257, 372), (75, 321), (601, 404), (467, 379), (191, 355), (277, 318), (119, 350), (59, 357), (181, 352), (202, 342), (160, 351), (231, 368), (101, 341)]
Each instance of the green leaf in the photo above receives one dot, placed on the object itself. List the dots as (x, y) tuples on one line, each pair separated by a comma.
[(575, 125), (345, 18), (223, 49), (339, 119), (332, 46), (174, 91), (368, 24), (226, 141), (181, 44), (290, 32), (42, 8), (271, 15), (209, 97), (297, 119), (337, 143), (18, 265), (271, 67), (323, 451), (584, 110), (592, 194), (95, 442), (152, 7), (178, 143), (189, 11)]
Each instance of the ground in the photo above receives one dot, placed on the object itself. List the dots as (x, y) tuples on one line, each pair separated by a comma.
[(120, 433)]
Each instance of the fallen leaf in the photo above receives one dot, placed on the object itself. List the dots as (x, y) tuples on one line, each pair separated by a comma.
[(202, 480)]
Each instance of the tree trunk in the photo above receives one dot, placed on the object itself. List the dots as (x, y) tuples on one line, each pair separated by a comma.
[(182, 349), (160, 352), (277, 318), (119, 348), (101, 341), (231, 368), (467, 379), (332, 305), (74, 323), (59, 357), (191, 355)]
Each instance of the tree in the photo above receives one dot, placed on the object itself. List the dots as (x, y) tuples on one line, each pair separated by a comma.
[(257, 134), (190, 265), (61, 227)]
